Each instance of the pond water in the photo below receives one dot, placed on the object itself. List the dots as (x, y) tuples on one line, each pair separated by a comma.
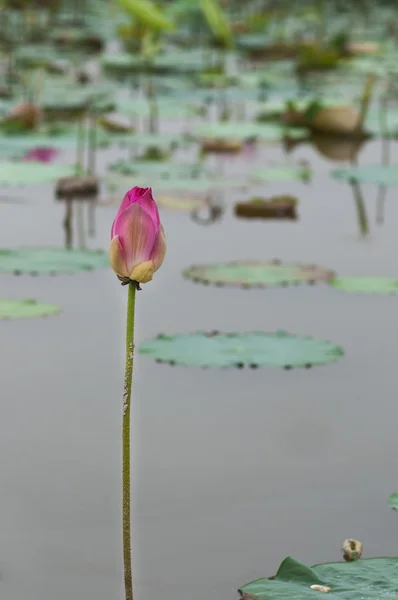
[(232, 470)]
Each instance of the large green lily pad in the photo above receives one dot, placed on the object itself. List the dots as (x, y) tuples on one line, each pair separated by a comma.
[(256, 349), (366, 285), (251, 274), (369, 579), (26, 309), (23, 173), (51, 261), (377, 174)]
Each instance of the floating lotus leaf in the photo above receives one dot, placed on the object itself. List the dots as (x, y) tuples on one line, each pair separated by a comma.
[(374, 124), (162, 170), (256, 349), (121, 62), (198, 185), (282, 173), (179, 61), (74, 98), (366, 285), (140, 107), (370, 579), (26, 309), (51, 261), (35, 56), (14, 146), (179, 203), (393, 501), (159, 140), (23, 173), (253, 41), (251, 274), (271, 132), (386, 175)]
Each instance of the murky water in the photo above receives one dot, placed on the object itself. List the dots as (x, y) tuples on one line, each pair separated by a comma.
[(232, 470)]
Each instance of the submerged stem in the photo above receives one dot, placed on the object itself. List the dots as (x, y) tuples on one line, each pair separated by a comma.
[(128, 580)]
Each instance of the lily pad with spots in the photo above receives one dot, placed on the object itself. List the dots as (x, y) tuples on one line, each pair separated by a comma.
[(386, 175), (366, 285), (51, 261), (255, 349), (23, 173), (26, 309), (371, 578), (252, 274)]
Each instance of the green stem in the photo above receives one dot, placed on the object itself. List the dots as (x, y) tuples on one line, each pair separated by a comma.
[(128, 580)]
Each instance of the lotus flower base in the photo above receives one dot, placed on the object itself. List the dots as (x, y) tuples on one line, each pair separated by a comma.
[(126, 281)]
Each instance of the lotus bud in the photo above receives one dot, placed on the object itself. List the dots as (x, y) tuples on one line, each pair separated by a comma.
[(138, 243)]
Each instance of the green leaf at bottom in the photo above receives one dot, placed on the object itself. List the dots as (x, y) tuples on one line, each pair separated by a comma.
[(369, 579)]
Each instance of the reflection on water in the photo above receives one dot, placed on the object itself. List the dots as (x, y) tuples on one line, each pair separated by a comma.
[(338, 149), (215, 211), (360, 208), (71, 226), (385, 151)]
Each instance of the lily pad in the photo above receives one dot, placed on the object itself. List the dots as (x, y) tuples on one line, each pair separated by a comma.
[(35, 56), (256, 349), (15, 146), (195, 185), (140, 107), (272, 132), (250, 274), (26, 309), (372, 578), (386, 175), (182, 203), (163, 170), (283, 173), (366, 285), (393, 501), (17, 173), (51, 261)]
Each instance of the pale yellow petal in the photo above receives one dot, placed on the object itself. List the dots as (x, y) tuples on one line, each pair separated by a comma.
[(142, 272), (116, 257)]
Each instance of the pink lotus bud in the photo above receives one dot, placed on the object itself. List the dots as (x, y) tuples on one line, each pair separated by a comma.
[(138, 245)]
